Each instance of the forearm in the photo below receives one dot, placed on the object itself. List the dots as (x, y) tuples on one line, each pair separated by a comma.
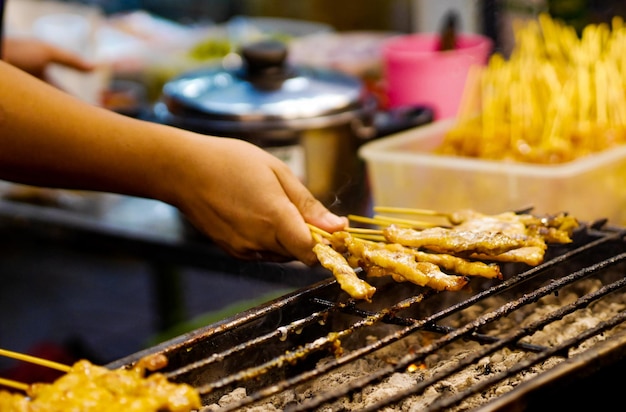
[(49, 138), (245, 199)]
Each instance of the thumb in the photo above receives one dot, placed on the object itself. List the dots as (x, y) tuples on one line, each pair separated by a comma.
[(311, 209)]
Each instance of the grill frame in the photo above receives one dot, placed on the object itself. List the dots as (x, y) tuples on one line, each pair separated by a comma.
[(298, 330)]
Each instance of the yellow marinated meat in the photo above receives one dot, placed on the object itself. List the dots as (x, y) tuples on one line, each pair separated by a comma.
[(442, 258), (419, 273), (553, 229), (531, 255), (396, 261), (451, 263), (343, 272), (87, 387), (444, 240), (459, 265)]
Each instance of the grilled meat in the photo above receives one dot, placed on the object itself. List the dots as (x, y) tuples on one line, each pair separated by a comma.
[(455, 241), (343, 272), (460, 265), (553, 229), (531, 255), (379, 259), (87, 387), (441, 258)]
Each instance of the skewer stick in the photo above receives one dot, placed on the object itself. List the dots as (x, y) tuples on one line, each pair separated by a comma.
[(409, 211), (375, 238), (320, 232), (33, 359), (9, 383), (387, 221), (367, 220), (363, 230), (405, 222)]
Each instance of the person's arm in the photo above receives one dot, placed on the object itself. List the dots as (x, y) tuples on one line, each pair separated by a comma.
[(242, 197)]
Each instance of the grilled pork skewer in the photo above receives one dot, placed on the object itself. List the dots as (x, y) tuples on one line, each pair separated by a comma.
[(422, 255), (343, 272), (553, 229), (459, 265), (456, 241), (531, 255), (394, 260)]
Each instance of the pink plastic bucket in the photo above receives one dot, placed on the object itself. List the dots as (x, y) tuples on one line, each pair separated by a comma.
[(416, 73)]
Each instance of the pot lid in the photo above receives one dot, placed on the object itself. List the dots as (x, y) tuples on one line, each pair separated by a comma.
[(265, 89)]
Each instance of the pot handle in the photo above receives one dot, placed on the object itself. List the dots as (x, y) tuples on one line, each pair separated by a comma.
[(401, 118), (383, 123)]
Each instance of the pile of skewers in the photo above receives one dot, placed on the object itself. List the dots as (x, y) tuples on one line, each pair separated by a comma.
[(87, 387), (440, 257), (558, 97)]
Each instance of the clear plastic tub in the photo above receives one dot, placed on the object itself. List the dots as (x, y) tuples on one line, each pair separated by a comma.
[(403, 171)]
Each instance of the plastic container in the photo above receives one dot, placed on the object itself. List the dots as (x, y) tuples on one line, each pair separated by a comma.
[(403, 171), (417, 73)]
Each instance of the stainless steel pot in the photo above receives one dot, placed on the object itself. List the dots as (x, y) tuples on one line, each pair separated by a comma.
[(313, 119)]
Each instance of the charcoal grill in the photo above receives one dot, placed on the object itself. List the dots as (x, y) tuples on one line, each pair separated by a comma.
[(551, 333)]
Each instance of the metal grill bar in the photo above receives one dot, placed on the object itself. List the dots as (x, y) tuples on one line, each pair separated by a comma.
[(248, 345), (420, 354), (559, 350), (433, 327), (319, 344)]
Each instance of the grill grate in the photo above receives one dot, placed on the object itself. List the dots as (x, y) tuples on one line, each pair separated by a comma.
[(444, 347)]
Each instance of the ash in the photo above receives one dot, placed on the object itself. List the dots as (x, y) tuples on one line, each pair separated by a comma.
[(555, 333)]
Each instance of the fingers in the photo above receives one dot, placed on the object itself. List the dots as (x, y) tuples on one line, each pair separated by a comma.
[(70, 60), (296, 237), (311, 209)]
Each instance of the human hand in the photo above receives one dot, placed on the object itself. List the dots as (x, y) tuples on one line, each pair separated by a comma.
[(249, 202), (246, 200), (34, 56)]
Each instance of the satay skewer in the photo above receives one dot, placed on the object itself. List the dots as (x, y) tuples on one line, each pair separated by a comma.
[(344, 274)]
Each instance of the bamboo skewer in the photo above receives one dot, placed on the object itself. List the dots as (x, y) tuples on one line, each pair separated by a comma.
[(387, 221), (410, 211), (364, 231), (318, 233), (366, 220), (383, 221), (559, 96), (35, 360), (415, 224), (31, 359), (9, 383)]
